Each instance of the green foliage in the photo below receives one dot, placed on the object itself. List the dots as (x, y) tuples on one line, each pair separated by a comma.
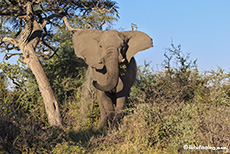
[(68, 147), (24, 97), (15, 72), (65, 73), (171, 85), (23, 122), (172, 108), (167, 109), (3, 87)]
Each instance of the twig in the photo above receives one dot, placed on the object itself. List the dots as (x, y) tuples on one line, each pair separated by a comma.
[(43, 24), (102, 24), (20, 30), (14, 82), (6, 57), (88, 25), (55, 53), (134, 27)]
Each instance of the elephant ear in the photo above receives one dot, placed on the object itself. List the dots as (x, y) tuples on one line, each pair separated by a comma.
[(86, 47), (137, 41)]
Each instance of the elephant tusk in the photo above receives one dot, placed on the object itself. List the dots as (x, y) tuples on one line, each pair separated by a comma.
[(123, 60)]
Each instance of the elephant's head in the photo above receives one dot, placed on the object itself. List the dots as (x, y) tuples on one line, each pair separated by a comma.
[(103, 51)]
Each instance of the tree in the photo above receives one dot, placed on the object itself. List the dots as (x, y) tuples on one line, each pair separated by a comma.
[(29, 25)]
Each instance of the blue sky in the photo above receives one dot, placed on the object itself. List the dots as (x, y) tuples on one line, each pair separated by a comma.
[(202, 27)]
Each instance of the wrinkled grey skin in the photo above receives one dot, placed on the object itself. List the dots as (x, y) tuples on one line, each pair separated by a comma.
[(105, 53)]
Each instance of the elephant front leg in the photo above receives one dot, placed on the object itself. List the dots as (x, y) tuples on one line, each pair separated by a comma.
[(121, 103), (120, 106), (106, 109)]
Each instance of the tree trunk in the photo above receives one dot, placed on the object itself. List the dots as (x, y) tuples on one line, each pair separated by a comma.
[(30, 37), (50, 102)]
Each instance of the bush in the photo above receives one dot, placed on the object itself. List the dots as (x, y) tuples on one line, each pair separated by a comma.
[(170, 109), (167, 110)]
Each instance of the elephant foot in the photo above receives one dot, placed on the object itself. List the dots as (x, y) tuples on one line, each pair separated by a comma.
[(118, 119), (113, 120), (107, 120)]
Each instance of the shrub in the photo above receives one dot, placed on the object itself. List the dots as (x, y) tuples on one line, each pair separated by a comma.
[(167, 110), (170, 109)]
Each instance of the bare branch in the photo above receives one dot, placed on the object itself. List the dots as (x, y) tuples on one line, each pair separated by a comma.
[(36, 1), (52, 23), (9, 55), (8, 47), (11, 40), (58, 15), (55, 53), (112, 8), (43, 24), (134, 27), (102, 25), (103, 10), (44, 56), (47, 45), (68, 26), (88, 26), (9, 12), (14, 82), (20, 29)]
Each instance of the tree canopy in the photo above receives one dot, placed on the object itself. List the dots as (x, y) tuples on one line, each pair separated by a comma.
[(49, 13), (167, 108), (29, 26)]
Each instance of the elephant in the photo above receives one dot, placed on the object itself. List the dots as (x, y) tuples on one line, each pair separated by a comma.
[(111, 66)]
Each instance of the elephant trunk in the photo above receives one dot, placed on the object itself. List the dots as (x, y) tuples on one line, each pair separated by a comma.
[(112, 75)]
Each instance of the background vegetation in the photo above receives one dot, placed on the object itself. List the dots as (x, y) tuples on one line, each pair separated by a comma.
[(167, 109)]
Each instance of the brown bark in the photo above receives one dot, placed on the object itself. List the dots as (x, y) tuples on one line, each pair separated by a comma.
[(28, 41), (50, 102), (29, 38)]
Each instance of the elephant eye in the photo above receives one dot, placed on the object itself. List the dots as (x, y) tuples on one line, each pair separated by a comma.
[(100, 46), (124, 47)]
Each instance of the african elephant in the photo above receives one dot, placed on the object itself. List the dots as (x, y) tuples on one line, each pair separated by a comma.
[(111, 65)]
